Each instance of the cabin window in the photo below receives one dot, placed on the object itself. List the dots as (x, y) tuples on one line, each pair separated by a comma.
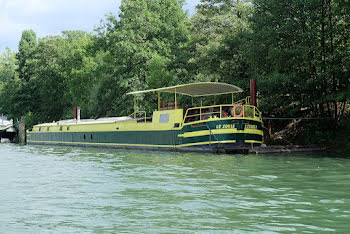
[(164, 118), (176, 125), (61, 128), (67, 128), (84, 137), (39, 129), (91, 136), (48, 128)]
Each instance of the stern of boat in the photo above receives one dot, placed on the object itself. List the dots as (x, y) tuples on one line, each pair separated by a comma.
[(222, 128)]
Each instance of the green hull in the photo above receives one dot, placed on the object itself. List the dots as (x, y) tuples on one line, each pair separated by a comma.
[(196, 137)]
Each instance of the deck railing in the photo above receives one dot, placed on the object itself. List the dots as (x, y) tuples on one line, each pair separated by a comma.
[(139, 115), (220, 111)]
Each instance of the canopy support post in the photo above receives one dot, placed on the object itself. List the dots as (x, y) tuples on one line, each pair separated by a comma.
[(214, 99), (175, 100), (158, 101), (192, 100), (135, 106), (232, 99)]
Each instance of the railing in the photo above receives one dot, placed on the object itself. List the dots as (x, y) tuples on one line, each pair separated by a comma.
[(246, 101), (169, 106), (221, 111), (139, 113)]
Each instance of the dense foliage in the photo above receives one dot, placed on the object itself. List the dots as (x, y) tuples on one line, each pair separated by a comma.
[(298, 51)]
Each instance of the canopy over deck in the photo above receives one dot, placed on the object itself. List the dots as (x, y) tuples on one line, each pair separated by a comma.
[(197, 89)]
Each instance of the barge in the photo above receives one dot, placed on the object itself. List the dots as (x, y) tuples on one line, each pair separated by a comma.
[(7, 130), (230, 127)]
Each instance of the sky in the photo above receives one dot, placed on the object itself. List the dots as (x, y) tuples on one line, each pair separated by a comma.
[(50, 17)]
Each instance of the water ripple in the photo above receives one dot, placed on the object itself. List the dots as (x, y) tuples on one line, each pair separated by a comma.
[(63, 189)]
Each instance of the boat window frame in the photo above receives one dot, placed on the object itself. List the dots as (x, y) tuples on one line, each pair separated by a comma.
[(164, 118)]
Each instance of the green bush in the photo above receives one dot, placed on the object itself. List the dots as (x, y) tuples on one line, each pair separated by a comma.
[(30, 120)]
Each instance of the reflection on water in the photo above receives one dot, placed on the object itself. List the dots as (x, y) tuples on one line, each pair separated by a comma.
[(62, 189)]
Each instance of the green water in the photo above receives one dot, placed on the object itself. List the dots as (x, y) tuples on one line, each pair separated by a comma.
[(60, 190)]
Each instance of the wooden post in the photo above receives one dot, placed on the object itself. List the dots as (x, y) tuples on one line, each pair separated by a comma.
[(158, 101), (175, 100), (22, 131), (134, 106)]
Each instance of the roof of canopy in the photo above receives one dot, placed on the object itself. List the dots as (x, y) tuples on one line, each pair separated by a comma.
[(197, 89)]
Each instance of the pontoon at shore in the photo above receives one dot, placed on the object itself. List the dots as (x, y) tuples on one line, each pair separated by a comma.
[(228, 127)]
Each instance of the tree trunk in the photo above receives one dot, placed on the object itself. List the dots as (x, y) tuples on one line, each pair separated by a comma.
[(323, 55), (334, 84), (22, 131)]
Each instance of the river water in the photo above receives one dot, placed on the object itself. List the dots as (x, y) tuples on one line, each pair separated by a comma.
[(59, 190)]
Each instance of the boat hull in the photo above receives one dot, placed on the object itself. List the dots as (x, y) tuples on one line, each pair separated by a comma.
[(228, 135), (8, 135)]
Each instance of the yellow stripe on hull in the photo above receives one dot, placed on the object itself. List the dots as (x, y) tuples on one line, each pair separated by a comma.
[(218, 131), (139, 145), (253, 141), (206, 143)]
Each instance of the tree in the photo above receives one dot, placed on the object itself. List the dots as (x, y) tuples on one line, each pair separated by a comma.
[(157, 75), (18, 96), (63, 72), (8, 66), (298, 56), (8, 77), (220, 38), (25, 53), (144, 29)]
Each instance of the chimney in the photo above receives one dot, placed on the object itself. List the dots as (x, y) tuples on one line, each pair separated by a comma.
[(253, 92), (77, 113)]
